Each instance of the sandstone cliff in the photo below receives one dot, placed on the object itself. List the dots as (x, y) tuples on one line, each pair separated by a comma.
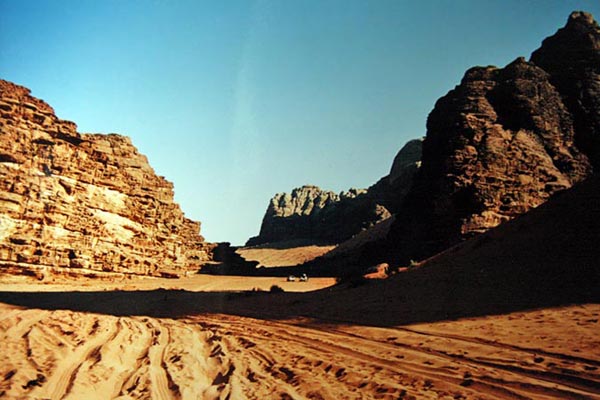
[(87, 201), (316, 215), (501, 143)]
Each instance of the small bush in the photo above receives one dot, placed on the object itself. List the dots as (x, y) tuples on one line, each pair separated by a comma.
[(276, 289)]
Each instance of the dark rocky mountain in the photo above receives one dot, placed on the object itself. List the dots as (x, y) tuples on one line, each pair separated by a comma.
[(84, 202), (501, 143), (316, 215)]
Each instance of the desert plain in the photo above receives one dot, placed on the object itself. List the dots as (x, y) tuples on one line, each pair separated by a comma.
[(228, 337), (470, 271)]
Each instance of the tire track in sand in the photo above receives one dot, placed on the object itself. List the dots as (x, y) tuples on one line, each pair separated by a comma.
[(518, 382), (63, 375), (156, 354)]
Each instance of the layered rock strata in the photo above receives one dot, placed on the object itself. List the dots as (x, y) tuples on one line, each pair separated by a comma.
[(85, 201), (311, 214)]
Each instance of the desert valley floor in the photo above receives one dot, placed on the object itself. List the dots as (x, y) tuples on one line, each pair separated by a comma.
[(469, 271), (95, 343)]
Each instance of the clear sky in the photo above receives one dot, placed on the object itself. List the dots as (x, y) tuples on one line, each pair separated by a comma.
[(234, 101)]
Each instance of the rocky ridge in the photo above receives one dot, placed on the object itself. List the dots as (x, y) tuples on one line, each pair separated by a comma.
[(84, 201), (315, 215)]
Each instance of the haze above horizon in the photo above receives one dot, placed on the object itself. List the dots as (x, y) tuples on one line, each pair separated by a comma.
[(236, 101)]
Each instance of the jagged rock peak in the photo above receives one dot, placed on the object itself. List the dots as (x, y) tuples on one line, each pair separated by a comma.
[(352, 193), (85, 201), (311, 214), (579, 38), (477, 73), (18, 101), (13, 93), (579, 19), (572, 58)]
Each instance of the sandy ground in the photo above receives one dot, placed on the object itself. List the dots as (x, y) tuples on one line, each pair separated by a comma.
[(192, 283), (283, 257), (541, 354)]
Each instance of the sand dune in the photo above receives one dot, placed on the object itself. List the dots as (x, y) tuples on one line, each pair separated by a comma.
[(64, 354)]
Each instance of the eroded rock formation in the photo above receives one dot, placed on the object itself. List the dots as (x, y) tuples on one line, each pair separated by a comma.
[(501, 143), (309, 213), (84, 200), (312, 214)]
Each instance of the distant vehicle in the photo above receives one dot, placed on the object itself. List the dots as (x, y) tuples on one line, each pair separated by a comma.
[(304, 278), (291, 278)]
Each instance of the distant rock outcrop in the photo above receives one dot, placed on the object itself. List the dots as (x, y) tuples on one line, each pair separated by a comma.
[(501, 143), (86, 201), (312, 214)]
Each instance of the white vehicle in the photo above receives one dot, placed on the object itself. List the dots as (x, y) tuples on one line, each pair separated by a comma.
[(304, 278), (291, 278)]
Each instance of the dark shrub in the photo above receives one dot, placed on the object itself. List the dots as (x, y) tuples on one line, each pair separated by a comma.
[(276, 289)]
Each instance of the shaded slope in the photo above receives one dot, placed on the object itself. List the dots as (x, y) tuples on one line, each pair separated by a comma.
[(546, 257)]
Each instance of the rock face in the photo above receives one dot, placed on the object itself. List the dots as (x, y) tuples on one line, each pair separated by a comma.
[(501, 143), (84, 200), (572, 58), (312, 214)]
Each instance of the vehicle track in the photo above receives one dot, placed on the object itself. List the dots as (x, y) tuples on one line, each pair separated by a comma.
[(480, 371), (63, 354)]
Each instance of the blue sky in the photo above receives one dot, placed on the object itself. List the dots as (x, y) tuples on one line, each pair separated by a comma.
[(234, 101)]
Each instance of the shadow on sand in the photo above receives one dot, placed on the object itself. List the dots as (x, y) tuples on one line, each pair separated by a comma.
[(420, 296), (547, 257)]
